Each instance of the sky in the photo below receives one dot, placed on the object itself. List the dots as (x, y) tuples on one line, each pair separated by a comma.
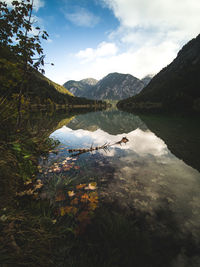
[(91, 38)]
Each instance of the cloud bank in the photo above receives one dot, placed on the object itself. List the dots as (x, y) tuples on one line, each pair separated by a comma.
[(148, 38)]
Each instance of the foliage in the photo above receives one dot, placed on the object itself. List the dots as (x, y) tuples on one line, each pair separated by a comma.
[(18, 33)]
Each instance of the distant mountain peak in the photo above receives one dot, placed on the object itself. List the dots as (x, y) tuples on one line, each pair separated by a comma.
[(113, 86), (90, 81)]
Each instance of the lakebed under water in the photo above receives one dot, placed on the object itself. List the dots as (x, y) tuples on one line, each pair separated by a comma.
[(141, 179)]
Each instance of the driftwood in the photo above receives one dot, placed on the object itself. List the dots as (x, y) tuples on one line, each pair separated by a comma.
[(105, 147)]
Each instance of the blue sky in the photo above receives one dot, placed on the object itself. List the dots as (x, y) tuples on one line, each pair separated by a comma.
[(91, 38)]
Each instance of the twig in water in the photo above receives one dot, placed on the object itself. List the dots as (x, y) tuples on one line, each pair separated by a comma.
[(105, 147)]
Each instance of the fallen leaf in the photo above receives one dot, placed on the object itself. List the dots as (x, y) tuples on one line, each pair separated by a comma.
[(71, 193), (80, 186), (84, 198), (91, 186)]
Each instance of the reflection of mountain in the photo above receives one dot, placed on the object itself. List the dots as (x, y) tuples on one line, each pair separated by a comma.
[(181, 134), (112, 122)]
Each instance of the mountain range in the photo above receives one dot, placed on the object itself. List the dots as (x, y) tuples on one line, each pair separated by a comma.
[(114, 86), (176, 87)]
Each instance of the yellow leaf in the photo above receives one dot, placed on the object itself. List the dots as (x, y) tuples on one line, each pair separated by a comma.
[(80, 186), (62, 211), (91, 186), (71, 193), (84, 198)]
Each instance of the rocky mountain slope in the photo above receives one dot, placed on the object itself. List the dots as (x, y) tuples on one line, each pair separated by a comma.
[(114, 86), (146, 80), (176, 87), (80, 88)]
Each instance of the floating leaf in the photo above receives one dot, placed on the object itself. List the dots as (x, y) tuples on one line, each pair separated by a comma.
[(91, 186), (37, 186), (71, 193), (84, 198), (28, 182), (80, 186), (92, 206)]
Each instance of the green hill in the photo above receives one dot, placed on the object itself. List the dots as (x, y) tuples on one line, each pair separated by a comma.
[(37, 89), (176, 87)]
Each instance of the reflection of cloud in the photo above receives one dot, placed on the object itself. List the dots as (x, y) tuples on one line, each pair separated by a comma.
[(140, 179), (139, 141), (146, 143)]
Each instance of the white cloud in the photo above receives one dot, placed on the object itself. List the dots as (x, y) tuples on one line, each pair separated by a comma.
[(104, 49), (148, 38), (82, 17), (106, 58), (162, 15), (37, 4)]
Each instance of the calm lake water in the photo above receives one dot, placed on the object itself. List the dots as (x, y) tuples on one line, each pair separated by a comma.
[(145, 177)]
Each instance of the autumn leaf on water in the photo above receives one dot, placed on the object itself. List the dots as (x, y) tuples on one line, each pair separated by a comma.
[(80, 186), (71, 193), (93, 197), (91, 186), (57, 169), (37, 186), (92, 206), (28, 182), (84, 198)]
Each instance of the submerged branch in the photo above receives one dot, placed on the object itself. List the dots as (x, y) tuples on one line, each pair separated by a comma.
[(105, 147)]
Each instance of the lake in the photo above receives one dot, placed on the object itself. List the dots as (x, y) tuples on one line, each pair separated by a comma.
[(140, 200)]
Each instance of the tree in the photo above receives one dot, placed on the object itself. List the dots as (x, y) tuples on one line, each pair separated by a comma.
[(21, 40), (19, 35)]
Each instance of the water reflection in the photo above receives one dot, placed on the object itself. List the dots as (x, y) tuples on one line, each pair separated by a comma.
[(140, 177), (112, 122)]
